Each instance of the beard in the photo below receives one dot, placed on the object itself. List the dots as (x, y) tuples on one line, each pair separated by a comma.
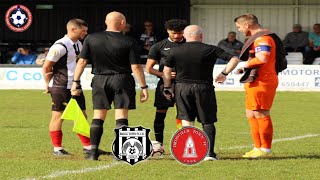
[(247, 33)]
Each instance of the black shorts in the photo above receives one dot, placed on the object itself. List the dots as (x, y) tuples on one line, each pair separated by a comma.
[(61, 96), (119, 88), (196, 100), (160, 102)]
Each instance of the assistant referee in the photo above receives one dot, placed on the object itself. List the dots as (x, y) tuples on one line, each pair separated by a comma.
[(194, 90), (114, 57)]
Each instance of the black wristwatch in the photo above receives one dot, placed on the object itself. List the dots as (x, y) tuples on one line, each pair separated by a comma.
[(224, 73), (144, 87), (76, 81)]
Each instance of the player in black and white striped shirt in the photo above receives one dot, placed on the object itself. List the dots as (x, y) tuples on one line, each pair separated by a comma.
[(58, 71)]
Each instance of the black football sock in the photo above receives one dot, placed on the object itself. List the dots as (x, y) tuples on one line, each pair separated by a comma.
[(159, 126), (210, 130), (96, 131), (121, 122)]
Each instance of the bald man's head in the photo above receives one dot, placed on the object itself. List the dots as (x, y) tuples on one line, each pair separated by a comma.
[(193, 33), (115, 21)]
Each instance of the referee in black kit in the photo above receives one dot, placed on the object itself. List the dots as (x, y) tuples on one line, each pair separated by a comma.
[(114, 57), (194, 92), (157, 54)]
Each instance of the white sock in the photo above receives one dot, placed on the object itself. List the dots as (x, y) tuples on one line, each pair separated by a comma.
[(87, 147), (57, 148), (266, 150), (256, 149)]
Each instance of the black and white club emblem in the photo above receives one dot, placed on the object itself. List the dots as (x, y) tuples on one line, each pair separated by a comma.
[(132, 144)]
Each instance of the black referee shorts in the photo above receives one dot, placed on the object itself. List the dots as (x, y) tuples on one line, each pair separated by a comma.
[(160, 102), (119, 88), (61, 96), (196, 101)]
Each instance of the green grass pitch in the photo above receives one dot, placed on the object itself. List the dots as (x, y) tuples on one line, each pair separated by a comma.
[(26, 150)]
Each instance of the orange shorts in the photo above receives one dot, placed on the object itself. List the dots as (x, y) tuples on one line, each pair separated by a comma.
[(259, 97)]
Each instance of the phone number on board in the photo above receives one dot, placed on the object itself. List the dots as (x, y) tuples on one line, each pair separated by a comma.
[(295, 84)]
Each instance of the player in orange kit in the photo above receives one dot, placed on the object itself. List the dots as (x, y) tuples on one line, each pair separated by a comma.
[(260, 93)]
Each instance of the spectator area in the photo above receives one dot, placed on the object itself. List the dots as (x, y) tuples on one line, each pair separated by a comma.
[(297, 58), (8, 48)]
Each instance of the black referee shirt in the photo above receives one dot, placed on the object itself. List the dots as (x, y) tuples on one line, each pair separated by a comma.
[(160, 51), (110, 52), (194, 61)]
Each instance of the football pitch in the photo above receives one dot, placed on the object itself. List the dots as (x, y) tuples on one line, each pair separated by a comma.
[(26, 150)]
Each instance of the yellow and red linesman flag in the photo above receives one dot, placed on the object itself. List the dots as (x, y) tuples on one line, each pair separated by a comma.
[(73, 112), (179, 123)]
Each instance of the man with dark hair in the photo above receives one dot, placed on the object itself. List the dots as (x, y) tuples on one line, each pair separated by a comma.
[(176, 25), (114, 57), (158, 54), (58, 71), (194, 92)]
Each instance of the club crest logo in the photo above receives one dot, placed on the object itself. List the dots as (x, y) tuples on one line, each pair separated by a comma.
[(132, 144), (18, 18), (189, 145)]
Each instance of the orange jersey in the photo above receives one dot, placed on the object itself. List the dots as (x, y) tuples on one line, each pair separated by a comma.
[(265, 59)]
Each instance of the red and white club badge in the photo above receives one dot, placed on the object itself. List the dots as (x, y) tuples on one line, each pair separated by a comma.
[(18, 18), (189, 145)]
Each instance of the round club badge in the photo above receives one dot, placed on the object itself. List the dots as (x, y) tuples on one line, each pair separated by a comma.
[(189, 145), (18, 18)]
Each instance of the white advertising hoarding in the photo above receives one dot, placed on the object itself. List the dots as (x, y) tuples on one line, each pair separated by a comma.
[(294, 78)]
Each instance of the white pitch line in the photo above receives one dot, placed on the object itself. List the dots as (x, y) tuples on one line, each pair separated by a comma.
[(276, 140), (295, 138), (80, 171)]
